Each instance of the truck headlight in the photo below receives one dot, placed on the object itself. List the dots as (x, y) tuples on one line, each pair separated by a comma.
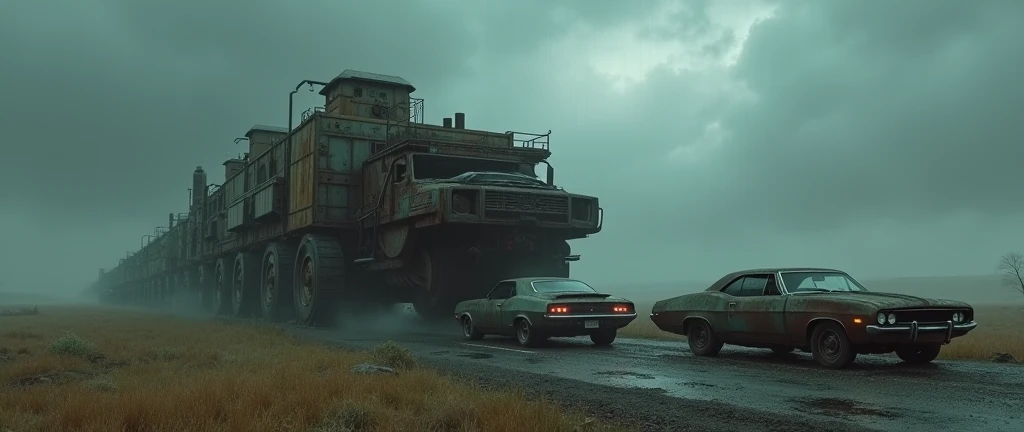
[(463, 202), (582, 209)]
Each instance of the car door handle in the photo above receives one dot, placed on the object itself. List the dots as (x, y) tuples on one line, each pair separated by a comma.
[(732, 304), (497, 305)]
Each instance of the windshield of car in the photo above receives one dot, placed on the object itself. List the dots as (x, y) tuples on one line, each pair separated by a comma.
[(498, 177), (433, 167), (562, 286), (820, 282)]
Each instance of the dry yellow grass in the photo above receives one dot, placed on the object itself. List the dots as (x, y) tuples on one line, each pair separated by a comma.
[(1000, 329), (126, 371)]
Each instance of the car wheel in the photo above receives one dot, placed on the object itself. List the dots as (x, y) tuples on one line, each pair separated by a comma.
[(830, 346), (919, 354), (603, 337), (469, 329), (525, 334), (702, 339)]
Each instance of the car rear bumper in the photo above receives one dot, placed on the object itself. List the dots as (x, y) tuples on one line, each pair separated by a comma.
[(915, 332), (571, 325)]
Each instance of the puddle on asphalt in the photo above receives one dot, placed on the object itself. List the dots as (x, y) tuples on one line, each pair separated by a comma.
[(671, 386), (476, 356), (839, 407)]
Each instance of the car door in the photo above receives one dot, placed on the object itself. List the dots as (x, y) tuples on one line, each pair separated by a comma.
[(756, 311), (490, 309)]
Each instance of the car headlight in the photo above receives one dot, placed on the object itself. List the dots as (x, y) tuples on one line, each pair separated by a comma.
[(958, 317), (881, 318), (892, 318)]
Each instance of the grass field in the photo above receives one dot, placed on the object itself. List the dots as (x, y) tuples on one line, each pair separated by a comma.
[(93, 370), (1000, 329)]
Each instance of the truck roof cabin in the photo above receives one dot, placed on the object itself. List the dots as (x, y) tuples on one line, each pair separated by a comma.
[(262, 137), (364, 94)]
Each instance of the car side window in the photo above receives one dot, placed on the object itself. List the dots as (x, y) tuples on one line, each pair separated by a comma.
[(502, 291), (772, 288), (753, 286), (733, 288)]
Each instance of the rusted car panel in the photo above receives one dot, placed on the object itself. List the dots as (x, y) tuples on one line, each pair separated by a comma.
[(536, 308), (824, 311)]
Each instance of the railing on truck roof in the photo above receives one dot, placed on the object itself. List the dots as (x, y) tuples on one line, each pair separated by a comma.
[(530, 140), (309, 113)]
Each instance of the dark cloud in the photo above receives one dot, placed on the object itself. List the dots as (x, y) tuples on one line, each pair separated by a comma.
[(844, 121), (904, 110)]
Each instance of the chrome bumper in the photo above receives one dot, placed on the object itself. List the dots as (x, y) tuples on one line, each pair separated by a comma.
[(914, 329)]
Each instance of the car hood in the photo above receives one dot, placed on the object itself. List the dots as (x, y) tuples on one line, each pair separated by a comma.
[(581, 297), (882, 300)]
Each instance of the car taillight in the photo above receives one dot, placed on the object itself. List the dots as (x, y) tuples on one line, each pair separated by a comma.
[(620, 308), (558, 309)]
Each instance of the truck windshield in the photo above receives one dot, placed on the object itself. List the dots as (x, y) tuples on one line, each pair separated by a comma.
[(820, 282), (560, 286), (438, 167)]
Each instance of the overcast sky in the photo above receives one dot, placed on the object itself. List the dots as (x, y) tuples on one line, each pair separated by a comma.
[(883, 137)]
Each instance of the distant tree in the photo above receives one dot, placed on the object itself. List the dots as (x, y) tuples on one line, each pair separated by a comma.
[(1011, 266)]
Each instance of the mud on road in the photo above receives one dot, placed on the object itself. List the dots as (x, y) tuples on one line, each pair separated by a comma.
[(660, 386)]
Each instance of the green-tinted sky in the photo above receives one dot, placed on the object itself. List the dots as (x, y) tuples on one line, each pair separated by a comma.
[(883, 137)]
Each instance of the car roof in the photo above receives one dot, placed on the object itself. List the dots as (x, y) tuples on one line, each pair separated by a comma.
[(720, 283), (539, 278)]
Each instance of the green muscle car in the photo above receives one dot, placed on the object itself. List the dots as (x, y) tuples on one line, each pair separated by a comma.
[(824, 311), (534, 309)]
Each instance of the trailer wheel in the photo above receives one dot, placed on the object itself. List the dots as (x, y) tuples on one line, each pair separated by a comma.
[(170, 288), (190, 287), (221, 295), (438, 283), (154, 298), (204, 286), (245, 285), (319, 281), (276, 282)]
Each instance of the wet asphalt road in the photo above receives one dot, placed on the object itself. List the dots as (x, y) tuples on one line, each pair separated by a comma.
[(659, 385)]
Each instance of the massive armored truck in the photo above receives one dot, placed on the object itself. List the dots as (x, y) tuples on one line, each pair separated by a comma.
[(360, 205)]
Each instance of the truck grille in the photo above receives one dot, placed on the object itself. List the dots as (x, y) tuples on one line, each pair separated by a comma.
[(514, 205), (925, 315)]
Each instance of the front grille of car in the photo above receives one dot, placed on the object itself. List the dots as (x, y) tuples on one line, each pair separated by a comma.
[(927, 315)]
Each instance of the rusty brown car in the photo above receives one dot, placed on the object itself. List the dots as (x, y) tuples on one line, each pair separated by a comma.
[(822, 311)]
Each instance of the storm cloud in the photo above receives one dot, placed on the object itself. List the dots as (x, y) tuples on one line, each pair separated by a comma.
[(881, 137)]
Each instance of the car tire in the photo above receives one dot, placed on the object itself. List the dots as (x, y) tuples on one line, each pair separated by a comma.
[(919, 354), (603, 337), (702, 340), (469, 329), (525, 333), (830, 346)]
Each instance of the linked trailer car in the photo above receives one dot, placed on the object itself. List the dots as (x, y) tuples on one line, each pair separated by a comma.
[(360, 205)]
